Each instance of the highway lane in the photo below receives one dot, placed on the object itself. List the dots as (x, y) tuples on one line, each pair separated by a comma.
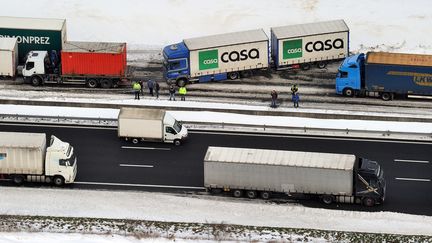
[(112, 163)]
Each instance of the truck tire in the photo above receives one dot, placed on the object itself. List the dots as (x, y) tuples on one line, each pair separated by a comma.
[(265, 195), (233, 75), (135, 140), (322, 64), (348, 92), (368, 202), (238, 193), (386, 96), (36, 81), (92, 83), (251, 194), (18, 179), (327, 199), (181, 82), (106, 83), (305, 66), (177, 142), (58, 181)]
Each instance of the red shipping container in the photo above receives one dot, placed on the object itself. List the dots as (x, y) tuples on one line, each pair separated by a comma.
[(93, 58)]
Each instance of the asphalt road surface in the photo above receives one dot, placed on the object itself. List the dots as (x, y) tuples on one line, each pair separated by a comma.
[(105, 161)]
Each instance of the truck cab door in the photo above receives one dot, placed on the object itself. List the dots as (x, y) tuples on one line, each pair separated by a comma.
[(170, 134), (29, 69)]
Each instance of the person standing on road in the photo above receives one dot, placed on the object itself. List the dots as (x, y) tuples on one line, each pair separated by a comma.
[(294, 89), (274, 96), (137, 89), (157, 88), (141, 83), (296, 99), (182, 92), (150, 86), (172, 92)]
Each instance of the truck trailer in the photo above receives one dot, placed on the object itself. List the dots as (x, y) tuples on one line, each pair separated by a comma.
[(8, 57), (216, 57), (385, 75), (93, 63), (305, 45), (34, 34), (329, 177), (152, 125), (27, 157)]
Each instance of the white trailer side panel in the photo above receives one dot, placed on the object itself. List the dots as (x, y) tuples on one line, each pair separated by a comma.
[(8, 56), (141, 123), (22, 153), (279, 171)]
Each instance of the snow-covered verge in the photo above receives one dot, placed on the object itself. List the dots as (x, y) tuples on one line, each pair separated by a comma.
[(197, 217)]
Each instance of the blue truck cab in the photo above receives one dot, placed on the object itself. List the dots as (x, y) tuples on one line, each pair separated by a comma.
[(176, 64), (350, 76)]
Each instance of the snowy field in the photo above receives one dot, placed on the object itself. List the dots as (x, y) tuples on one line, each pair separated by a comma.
[(396, 25)]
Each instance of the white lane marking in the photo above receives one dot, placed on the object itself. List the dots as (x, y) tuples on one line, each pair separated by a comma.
[(336, 138), (412, 179), (412, 161), (130, 165), (137, 185), (144, 148)]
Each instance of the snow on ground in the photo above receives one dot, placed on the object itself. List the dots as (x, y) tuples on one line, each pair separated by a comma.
[(384, 25)]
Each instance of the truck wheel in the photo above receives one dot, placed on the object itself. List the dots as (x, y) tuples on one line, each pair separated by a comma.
[(92, 83), (327, 199), (321, 65), (238, 193), (233, 75), (368, 201), (106, 83), (177, 142), (305, 66), (181, 82), (251, 194), (348, 92), (386, 96), (18, 179), (58, 181), (36, 81), (135, 140), (265, 195)]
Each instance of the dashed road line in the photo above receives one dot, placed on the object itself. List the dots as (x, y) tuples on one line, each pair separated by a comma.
[(412, 161), (412, 179), (144, 148), (131, 165)]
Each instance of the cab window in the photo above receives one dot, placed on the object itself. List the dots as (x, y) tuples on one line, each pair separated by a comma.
[(29, 65), (170, 130)]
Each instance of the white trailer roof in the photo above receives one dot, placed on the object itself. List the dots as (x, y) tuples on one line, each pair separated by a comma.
[(280, 157), (226, 39), (31, 23), (21, 140), (140, 113), (7, 44), (94, 47), (290, 31)]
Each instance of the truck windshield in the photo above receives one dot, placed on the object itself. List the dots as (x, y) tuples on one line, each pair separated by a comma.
[(177, 126)]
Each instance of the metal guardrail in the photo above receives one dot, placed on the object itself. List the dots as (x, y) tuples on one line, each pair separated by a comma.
[(217, 126)]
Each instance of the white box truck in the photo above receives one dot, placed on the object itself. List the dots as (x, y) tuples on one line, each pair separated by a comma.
[(26, 157), (142, 124), (329, 177), (304, 45), (216, 57), (8, 57)]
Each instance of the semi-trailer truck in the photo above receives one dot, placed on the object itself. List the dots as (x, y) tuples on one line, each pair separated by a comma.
[(385, 75), (152, 125), (330, 177), (8, 57), (93, 63), (28, 157), (231, 55), (34, 34)]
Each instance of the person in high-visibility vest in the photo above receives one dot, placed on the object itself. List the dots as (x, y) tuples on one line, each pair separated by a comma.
[(137, 89), (182, 92)]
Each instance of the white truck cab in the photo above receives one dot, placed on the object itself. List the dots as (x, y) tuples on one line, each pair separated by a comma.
[(60, 162), (34, 67), (174, 130)]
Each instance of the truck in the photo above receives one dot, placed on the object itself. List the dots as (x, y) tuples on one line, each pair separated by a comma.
[(8, 57), (152, 125), (28, 157), (385, 75), (216, 57), (34, 34), (305, 45), (330, 177), (95, 64)]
